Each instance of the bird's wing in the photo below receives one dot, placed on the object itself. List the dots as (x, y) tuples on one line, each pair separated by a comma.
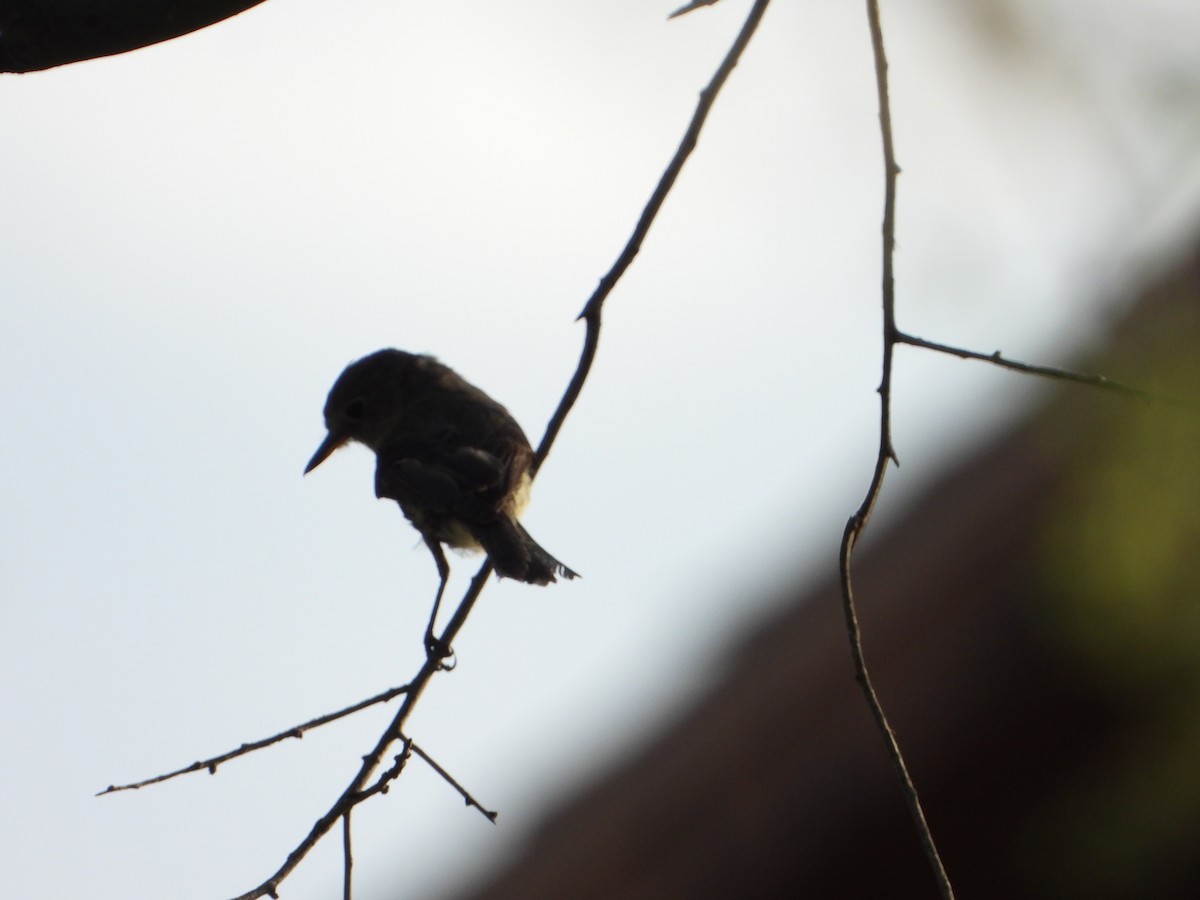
[(437, 470)]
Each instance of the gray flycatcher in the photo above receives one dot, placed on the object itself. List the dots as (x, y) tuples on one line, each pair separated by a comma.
[(453, 458)]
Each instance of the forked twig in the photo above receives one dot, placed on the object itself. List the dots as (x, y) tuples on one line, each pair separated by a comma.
[(297, 731), (1091, 379), (887, 454)]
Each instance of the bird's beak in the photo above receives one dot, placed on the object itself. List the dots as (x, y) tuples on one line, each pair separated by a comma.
[(332, 442)]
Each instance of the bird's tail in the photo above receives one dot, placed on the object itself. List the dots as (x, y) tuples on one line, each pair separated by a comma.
[(514, 554)]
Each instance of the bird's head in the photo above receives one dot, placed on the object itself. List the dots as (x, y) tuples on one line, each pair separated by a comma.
[(365, 402)]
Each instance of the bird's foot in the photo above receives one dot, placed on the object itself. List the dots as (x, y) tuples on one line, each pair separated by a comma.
[(439, 651)]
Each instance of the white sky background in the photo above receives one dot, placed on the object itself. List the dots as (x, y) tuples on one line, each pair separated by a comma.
[(198, 236)]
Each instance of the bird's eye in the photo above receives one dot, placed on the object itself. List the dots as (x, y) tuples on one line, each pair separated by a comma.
[(355, 408)]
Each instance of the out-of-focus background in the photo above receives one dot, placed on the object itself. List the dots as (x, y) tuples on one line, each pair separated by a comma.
[(200, 234)]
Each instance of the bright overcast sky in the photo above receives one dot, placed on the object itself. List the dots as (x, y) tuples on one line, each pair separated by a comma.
[(198, 236)]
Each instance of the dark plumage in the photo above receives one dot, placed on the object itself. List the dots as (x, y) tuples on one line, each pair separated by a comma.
[(453, 458)]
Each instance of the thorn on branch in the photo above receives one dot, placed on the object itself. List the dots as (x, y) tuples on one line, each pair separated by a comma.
[(694, 5)]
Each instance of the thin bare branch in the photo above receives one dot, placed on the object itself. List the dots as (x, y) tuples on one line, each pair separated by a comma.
[(347, 857), (384, 782), (998, 359), (354, 792), (297, 731), (491, 814), (591, 310), (858, 522), (708, 96), (694, 5)]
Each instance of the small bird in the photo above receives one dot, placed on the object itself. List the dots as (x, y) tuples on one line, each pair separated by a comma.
[(453, 458)]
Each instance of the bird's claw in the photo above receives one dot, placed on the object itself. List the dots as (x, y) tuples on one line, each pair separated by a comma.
[(439, 651)]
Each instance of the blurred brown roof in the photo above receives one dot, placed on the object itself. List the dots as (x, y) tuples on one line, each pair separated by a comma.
[(1033, 629)]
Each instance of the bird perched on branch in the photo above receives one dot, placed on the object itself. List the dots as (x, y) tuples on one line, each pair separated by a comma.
[(453, 458)]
